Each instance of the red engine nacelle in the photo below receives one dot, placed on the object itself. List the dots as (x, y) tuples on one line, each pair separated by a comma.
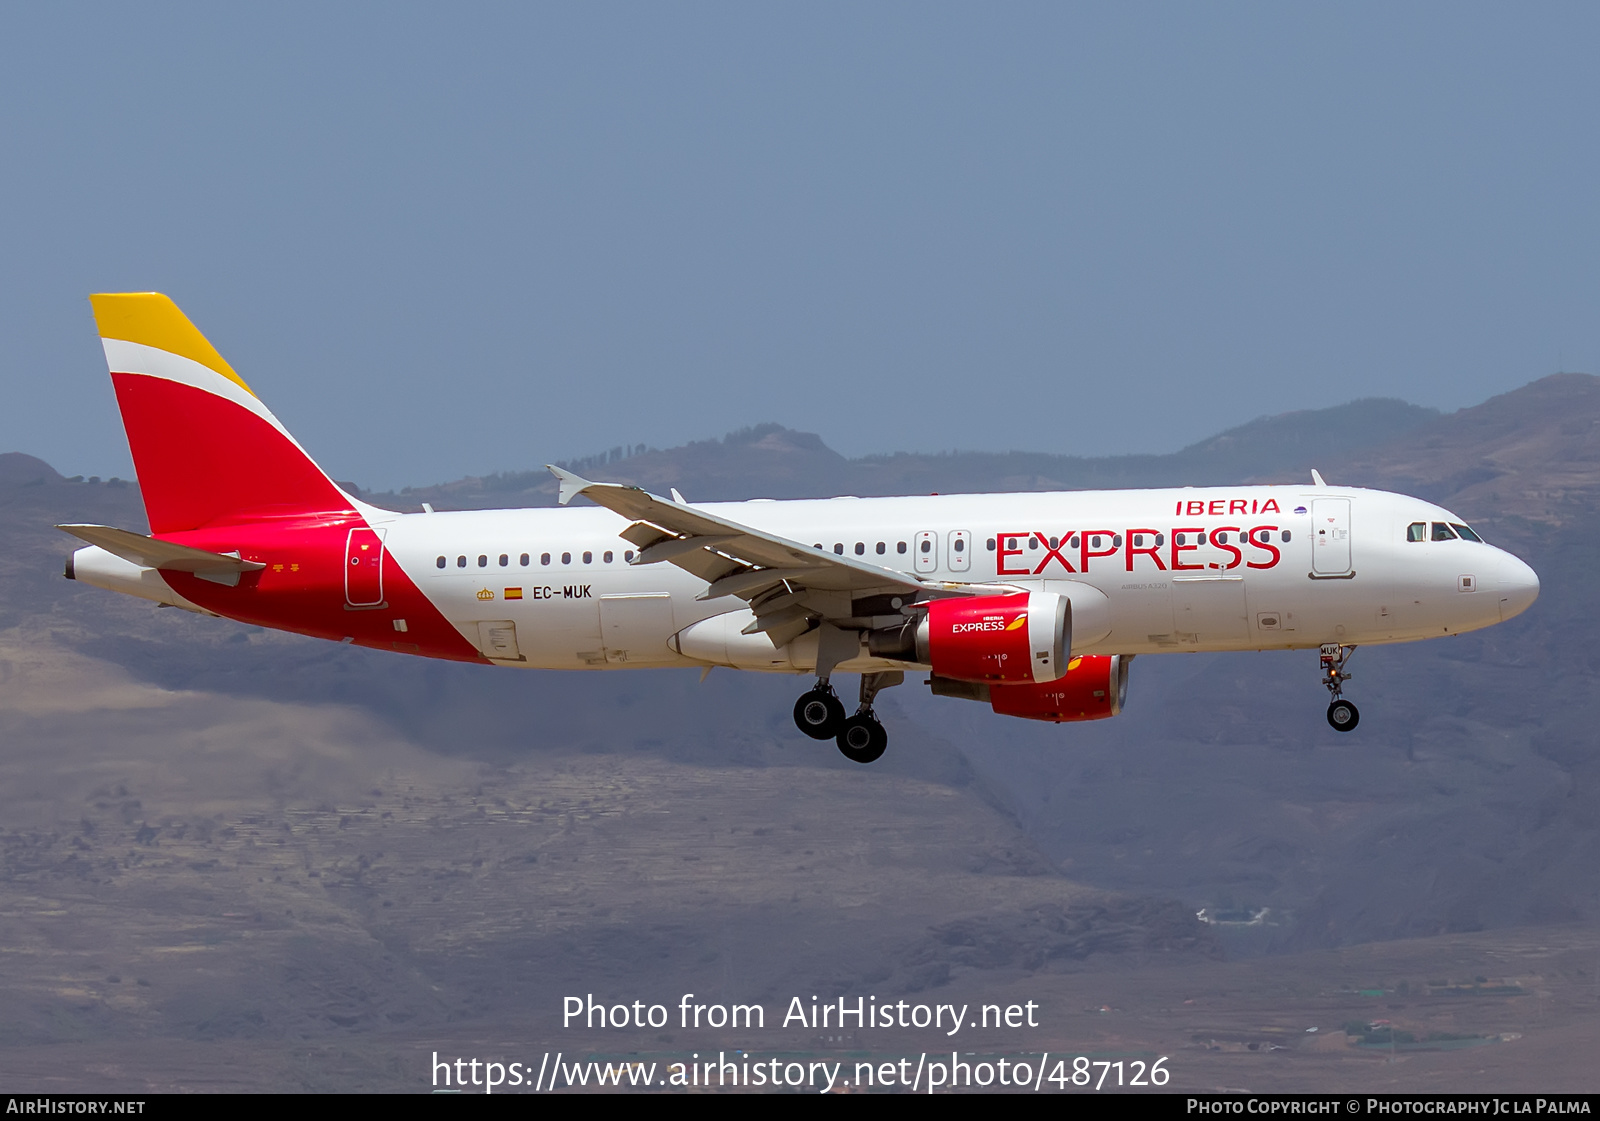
[(1021, 638), (1094, 687)]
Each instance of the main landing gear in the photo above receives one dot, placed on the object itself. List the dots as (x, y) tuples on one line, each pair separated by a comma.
[(1342, 715), (861, 738), (820, 713)]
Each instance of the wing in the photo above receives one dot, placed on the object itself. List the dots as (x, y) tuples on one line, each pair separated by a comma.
[(791, 587)]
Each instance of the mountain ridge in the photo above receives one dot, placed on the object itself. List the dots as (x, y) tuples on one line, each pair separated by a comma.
[(793, 464)]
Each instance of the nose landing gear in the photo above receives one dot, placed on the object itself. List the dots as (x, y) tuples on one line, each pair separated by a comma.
[(1342, 715)]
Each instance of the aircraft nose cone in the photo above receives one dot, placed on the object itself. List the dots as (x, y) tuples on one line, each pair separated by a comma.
[(1519, 586)]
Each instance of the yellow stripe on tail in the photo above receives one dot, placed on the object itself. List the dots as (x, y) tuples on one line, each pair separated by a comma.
[(150, 319)]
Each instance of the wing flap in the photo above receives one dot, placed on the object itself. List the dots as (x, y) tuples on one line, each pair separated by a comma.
[(734, 559)]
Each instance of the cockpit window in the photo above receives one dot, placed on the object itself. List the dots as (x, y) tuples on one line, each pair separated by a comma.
[(1417, 531), (1466, 532), (1442, 532)]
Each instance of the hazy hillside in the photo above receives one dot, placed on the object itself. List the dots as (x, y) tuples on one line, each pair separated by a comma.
[(354, 841), (1466, 798), (1459, 804), (770, 461)]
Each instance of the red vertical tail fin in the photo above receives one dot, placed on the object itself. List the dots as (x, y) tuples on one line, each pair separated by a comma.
[(205, 448)]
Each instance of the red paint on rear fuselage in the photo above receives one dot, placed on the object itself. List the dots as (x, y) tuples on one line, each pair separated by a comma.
[(303, 589), (217, 476)]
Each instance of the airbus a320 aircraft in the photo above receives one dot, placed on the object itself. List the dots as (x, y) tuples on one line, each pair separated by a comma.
[(1033, 603)]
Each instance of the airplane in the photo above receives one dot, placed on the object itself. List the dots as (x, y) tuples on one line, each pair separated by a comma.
[(1034, 603)]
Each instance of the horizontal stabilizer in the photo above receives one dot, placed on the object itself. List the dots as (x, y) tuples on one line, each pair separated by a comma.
[(152, 552)]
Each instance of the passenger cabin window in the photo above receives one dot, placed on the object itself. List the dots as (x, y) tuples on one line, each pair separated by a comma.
[(927, 547), (1417, 531), (524, 560), (900, 548), (882, 548), (959, 545), (838, 547), (861, 548), (1442, 532), (991, 544), (588, 557), (440, 562), (628, 556), (461, 562), (566, 558), (544, 558), (483, 560), (504, 560), (1466, 532), (607, 557)]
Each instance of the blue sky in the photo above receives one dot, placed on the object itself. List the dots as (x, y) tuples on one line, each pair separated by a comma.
[(447, 240)]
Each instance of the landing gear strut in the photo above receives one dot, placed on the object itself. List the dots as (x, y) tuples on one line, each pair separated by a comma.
[(862, 738), (1342, 715)]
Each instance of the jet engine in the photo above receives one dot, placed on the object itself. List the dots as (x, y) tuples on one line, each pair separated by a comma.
[(1025, 637), (1094, 687)]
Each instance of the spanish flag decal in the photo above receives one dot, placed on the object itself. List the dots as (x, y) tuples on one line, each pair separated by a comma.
[(513, 593)]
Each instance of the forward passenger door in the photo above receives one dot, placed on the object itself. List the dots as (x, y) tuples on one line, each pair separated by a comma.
[(1330, 536)]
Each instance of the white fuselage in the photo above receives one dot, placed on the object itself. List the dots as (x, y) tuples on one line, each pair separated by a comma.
[(1148, 571)]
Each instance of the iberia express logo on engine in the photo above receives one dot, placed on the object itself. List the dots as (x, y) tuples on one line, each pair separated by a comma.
[(990, 623)]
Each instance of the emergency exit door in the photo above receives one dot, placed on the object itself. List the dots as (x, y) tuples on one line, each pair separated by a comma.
[(960, 550)]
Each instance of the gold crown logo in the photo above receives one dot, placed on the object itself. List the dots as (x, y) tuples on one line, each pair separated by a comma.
[(485, 594)]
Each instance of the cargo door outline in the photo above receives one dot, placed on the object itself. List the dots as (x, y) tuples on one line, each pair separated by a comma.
[(1209, 609), (363, 568), (635, 627), (1330, 537), (497, 638)]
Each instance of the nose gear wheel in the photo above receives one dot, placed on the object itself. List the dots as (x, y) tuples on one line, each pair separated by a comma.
[(1343, 716)]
